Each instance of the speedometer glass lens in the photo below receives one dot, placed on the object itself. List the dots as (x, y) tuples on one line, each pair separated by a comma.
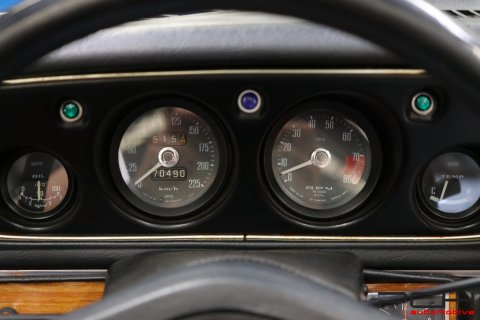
[(169, 158), (321, 161)]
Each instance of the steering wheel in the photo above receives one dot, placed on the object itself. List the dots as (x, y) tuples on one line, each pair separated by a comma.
[(411, 28)]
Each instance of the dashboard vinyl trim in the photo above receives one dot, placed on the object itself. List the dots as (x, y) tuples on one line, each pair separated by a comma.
[(165, 238), (236, 238), (186, 73), (298, 238), (75, 274)]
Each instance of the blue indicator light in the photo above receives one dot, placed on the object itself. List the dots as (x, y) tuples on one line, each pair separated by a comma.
[(249, 101)]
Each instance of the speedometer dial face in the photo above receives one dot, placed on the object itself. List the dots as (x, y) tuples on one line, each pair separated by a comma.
[(169, 159), (321, 161)]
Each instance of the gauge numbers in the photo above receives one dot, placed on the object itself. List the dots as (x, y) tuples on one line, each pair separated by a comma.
[(321, 160), (168, 158)]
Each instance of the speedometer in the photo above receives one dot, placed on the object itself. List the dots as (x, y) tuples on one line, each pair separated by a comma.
[(320, 161), (170, 160)]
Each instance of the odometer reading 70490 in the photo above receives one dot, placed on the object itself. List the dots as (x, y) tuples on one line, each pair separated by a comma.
[(168, 158), (169, 174), (321, 159)]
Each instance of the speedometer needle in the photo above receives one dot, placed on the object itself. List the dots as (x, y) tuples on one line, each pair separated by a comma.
[(300, 166), (149, 172)]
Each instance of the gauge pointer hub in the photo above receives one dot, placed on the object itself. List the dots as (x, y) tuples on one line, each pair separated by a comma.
[(320, 158), (167, 157)]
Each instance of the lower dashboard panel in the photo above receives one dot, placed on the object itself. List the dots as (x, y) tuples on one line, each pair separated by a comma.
[(61, 297)]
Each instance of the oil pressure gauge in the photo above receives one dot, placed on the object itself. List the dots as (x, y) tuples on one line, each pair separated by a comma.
[(450, 186), (38, 185)]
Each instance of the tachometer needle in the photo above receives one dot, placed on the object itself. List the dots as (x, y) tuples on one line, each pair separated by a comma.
[(300, 166), (149, 172), (443, 190)]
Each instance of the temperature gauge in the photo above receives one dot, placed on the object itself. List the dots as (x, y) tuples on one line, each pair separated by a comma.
[(450, 185), (37, 185)]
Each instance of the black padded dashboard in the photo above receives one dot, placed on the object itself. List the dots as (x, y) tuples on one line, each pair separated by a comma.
[(99, 226), (227, 39), (214, 40)]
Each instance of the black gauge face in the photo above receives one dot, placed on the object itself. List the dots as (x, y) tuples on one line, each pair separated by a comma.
[(169, 159), (450, 185), (38, 185), (321, 161)]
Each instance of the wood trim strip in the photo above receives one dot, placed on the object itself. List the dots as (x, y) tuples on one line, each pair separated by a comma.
[(398, 287), (49, 297)]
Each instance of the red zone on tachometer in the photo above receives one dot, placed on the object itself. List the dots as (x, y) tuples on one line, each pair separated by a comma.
[(354, 167)]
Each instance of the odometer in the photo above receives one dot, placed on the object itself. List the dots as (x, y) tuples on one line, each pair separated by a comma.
[(169, 174), (320, 161), (169, 160)]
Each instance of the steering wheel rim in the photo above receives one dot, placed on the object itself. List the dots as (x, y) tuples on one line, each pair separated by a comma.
[(245, 285), (411, 28)]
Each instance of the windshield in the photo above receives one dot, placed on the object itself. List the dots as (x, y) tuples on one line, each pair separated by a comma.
[(5, 5)]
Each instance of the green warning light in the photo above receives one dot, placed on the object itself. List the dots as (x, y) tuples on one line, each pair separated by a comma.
[(71, 111), (422, 104)]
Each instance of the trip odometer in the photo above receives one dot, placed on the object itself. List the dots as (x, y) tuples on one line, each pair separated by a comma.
[(320, 162), (170, 160)]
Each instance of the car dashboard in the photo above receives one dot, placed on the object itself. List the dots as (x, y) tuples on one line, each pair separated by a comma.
[(382, 148), (392, 146), (255, 131)]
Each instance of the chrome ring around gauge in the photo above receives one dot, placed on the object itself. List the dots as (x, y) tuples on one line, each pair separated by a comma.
[(38, 186), (170, 158), (321, 160)]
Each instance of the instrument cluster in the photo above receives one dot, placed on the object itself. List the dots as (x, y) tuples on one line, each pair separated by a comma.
[(172, 161)]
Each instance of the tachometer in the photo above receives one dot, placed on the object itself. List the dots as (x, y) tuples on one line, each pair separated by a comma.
[(320, 161), (170, 160)]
